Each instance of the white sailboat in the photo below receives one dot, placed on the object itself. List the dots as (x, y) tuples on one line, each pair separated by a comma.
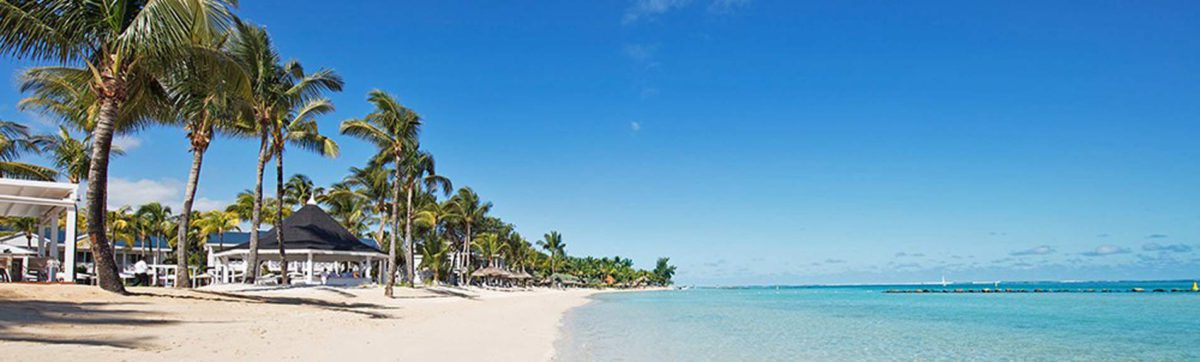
[(944, 282)]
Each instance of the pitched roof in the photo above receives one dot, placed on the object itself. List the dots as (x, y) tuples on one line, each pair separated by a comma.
[(311, 228)]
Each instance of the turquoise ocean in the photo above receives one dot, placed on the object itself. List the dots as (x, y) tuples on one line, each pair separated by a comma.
[(826, 323)]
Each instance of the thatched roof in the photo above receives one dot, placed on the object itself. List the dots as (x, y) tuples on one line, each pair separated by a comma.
[(492, 272), (521, 275)]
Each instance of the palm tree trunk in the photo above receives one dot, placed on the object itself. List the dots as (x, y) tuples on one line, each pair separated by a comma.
[(379, 235), (467, 255), (251, 273), (97, 195), (391, 276), (279, 215), (410, 270), (182, 277)]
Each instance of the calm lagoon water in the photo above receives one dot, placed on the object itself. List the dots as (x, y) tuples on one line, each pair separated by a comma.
[(862, 323)]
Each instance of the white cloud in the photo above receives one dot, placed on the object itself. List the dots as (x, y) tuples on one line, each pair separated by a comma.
[(207, 204), (126, 143), (1107, 249), (642, 9), (635, 126), (168, 191), (1039, 250)]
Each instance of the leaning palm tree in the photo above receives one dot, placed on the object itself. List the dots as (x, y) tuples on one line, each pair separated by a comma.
[(277, 89), (467, 211), (16, 141), (120, 45), (393, 129), (553, 243), (208, 91)]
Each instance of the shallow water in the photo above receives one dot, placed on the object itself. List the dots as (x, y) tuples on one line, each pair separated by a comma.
[(862, 323)]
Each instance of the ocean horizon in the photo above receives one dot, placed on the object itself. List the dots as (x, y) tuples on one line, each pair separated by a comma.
[(862, 322)]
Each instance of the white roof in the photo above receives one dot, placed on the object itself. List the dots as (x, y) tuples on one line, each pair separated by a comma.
[(15, 250), (25, 198)]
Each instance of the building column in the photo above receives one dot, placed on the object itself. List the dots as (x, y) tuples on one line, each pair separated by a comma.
[(69, 263), (310, 268), (41, 242), (54, 248), (367, 268)]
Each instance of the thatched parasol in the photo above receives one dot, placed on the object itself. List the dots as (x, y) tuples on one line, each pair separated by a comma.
[(521, 275), (492, 272)]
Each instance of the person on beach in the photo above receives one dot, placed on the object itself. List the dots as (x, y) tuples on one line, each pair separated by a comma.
[(140, 272)]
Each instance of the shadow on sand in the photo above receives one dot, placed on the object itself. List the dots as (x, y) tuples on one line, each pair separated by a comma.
[(38, 313), (367, 309)]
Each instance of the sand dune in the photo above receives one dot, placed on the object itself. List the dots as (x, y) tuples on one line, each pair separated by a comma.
[(67, 322)]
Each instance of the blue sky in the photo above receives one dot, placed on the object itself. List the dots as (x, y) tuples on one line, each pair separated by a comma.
[(759, 142)]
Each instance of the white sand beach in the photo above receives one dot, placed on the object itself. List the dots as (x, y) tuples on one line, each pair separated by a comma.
[(70, 322)]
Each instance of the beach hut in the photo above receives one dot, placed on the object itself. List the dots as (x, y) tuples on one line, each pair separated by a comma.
[(315, 243)]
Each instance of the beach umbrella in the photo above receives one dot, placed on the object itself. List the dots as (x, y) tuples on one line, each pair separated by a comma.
[(490, 271), (522, 275)]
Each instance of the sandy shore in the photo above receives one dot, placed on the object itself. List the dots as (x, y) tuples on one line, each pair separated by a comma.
[(68, 322)]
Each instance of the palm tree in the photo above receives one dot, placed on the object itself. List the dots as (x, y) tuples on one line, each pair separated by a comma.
[(349, 207), (373, 184), (298, 190), (468, 210), (209, 95), (16, 141), (277, 90), (121, 43), (121, 225), (433, 256), (393, 129), (516, 250), (489, 245), (72, 156), (218, 222), (553, 243), (24, 225), (157, 218), (417, 167), (663, 271), (298, 129)]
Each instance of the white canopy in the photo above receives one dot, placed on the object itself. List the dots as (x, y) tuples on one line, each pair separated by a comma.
[(25, 198), (46, 201)]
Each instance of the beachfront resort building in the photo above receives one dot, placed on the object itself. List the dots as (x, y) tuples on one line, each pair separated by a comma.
[(318, 250)]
